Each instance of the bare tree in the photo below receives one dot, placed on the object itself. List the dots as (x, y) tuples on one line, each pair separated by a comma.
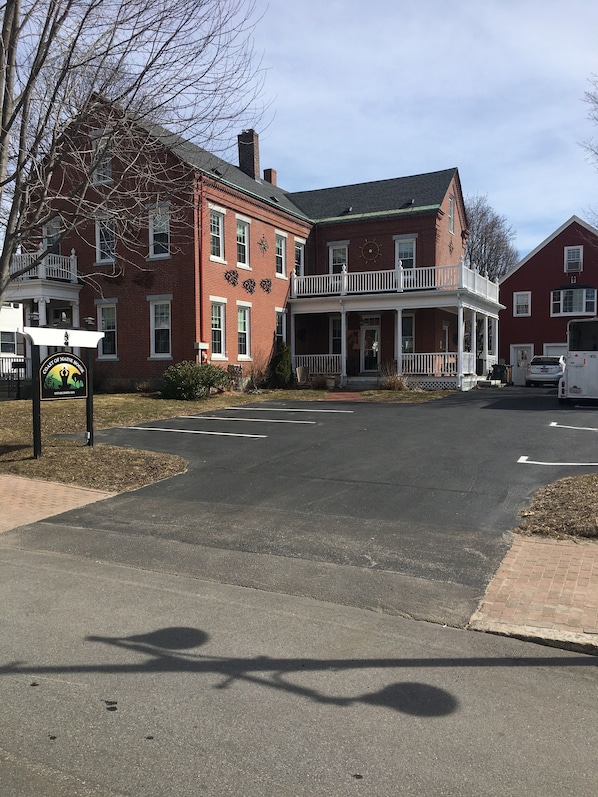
[(489, 246), (88, 83)]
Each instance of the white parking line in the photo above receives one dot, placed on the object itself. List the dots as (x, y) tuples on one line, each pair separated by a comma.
[(579, 428), (250, 420), (528, 461), (283, 409), (191, 431)]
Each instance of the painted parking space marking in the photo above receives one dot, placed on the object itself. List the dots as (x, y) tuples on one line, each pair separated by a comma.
[(285, 409), (528, 461), (578, 428), (193, 431), (249, 420)]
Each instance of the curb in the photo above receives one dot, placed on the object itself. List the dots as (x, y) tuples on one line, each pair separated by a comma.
[(585, 642)]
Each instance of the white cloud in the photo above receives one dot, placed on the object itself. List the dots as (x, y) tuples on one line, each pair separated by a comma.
[(384, 88)]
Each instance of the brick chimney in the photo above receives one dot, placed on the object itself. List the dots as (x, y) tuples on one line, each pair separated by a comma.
[(249, 153), (270, 176)]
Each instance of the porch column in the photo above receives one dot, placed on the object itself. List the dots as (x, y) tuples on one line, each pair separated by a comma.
[(399, 341), (460, 334), (485, 343), (43, 322), (474, 338), (292, 334), (343, 345), (495, 338)]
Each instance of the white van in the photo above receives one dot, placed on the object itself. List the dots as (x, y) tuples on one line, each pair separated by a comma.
[(580, 380)]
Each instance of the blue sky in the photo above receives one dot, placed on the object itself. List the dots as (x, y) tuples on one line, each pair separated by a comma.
[(365, 90)]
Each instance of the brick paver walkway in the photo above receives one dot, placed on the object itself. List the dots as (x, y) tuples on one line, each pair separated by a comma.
[(544, 588), (24, 501)]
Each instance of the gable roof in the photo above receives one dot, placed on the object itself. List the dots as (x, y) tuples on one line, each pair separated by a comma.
[(212, 166), (534, 252), (400, 195), (417, 193)]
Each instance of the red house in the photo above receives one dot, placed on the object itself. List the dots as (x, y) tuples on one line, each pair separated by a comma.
[(357, 279), (556, 282)]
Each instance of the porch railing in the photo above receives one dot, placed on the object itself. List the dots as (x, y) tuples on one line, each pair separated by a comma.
[(319, 364), (8, 372), (420, 364), (440, 278), (54, 267)]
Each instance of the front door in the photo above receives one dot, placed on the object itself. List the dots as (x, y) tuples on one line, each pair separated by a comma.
[(520, 357), (370, 349)]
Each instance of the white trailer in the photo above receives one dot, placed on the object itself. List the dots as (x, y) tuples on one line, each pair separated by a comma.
[(580, 380)]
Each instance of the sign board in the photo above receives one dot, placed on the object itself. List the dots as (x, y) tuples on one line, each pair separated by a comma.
[(62, 375)]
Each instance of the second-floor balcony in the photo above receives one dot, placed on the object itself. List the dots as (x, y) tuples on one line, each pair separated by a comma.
[(424, 278), (50, 267)]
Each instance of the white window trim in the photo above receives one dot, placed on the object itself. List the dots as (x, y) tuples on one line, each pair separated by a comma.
[(98, 220), (584, 313), (529, 304), (398, 239), (98, 139), (281, 275), (100, 304), (247, 224), (281, 311), (566, 259), (221, 213), (299, 242), (332, 245), (153, 301), (451, 214), (158, 210), (220, 300), (245, 306)]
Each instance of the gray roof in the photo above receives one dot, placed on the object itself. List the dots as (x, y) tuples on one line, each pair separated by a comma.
[(399, 195), (419, 192), (213, 166)]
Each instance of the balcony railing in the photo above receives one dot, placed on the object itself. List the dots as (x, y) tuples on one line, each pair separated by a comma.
[(51, 267), (425, 278)]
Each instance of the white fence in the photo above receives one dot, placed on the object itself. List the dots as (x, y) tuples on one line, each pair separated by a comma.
[(422, 363)]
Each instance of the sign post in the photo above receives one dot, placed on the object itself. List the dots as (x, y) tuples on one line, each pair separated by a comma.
[(62, 375)]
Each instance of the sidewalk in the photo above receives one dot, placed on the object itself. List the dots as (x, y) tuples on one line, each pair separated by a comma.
[(544, 590)]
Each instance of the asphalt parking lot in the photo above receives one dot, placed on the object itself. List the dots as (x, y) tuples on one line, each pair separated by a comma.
[(313, 498)]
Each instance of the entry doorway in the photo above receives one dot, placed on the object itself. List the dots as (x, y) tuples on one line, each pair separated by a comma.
[(520, 357), (370, 349)]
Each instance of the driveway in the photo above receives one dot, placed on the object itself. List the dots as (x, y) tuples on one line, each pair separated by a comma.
[(402, 508)]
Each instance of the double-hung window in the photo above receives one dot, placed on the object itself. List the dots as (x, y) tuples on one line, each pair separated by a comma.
[(160, 328), (159, 232), (218, 329), (405, 252), (8, 342), (337, 256), (52, 236), (107, 325), (522, 303), (281, 328), (573, 259), (451, 214), (299, 257), (242, 243), (101, 159), (105, 239), (243, 316), (216, 234), (335, 335), (280, 243)]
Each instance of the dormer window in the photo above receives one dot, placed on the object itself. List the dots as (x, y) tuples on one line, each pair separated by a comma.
[(573, 259)]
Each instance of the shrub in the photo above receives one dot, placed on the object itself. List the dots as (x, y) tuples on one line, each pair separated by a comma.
[(390, 379), (281, 368), (187, 381)]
